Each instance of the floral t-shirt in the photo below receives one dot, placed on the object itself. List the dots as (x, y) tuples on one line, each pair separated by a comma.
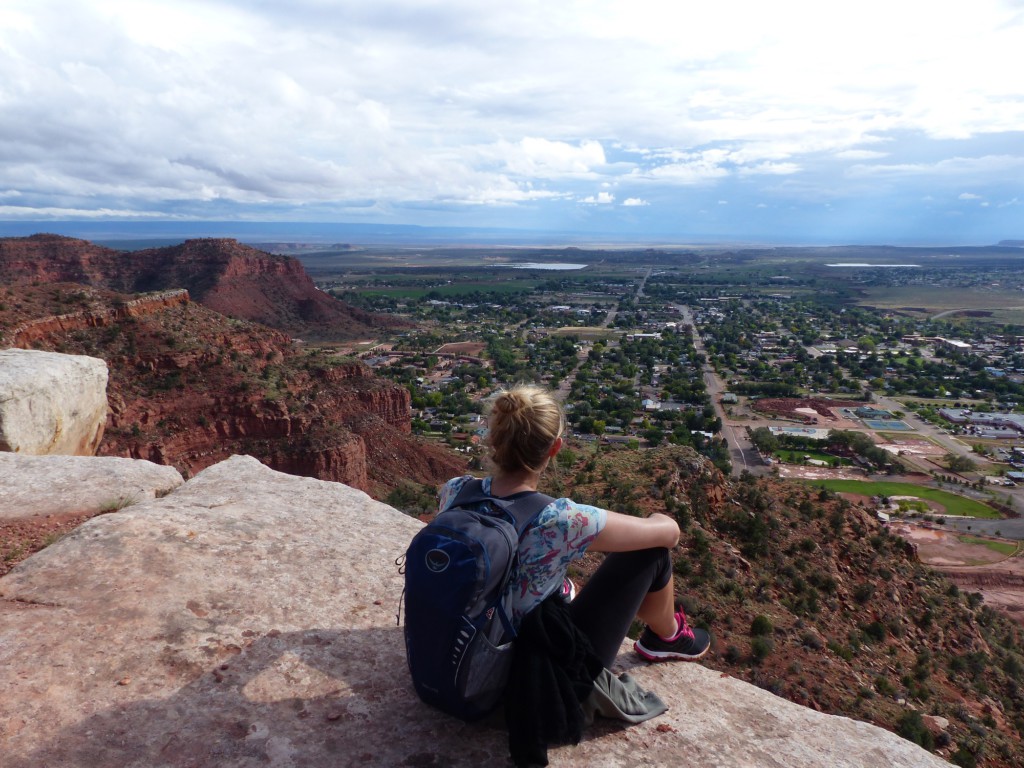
[(561, 533)]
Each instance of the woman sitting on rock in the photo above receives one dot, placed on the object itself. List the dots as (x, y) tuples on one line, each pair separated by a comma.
[(525, 427)]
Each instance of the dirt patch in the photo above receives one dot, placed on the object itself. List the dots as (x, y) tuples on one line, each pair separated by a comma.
[(909, 446), (805, 409), (25, 536), (938, 547), (806, 472), (472, 348), (972, 567)]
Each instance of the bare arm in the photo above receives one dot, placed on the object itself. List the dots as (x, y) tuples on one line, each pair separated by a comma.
[(625, 533)]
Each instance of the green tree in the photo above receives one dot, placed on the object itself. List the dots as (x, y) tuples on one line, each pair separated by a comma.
[(956, 463)]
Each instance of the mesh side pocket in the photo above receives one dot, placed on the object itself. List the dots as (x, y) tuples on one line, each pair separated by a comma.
[(485, 671)]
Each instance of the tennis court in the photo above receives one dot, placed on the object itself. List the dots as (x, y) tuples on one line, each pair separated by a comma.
[(888, 425)]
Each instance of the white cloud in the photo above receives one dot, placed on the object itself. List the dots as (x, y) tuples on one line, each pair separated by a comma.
[(377, 115), (773, 169), (141, 104), (969, 196), (544, 158), (986, 167), (19, 212), (860, 154), (690, 168)]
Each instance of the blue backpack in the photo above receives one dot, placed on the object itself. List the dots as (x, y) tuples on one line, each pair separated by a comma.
[(458, 636)]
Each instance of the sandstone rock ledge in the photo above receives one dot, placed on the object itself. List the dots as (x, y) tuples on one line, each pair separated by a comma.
[(51, 485), (248, 619), (51, 403)]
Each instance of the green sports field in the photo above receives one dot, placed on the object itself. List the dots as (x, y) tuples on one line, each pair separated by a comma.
[(1008, 548), (953, 504)]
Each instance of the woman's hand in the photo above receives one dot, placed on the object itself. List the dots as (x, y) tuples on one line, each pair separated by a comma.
[(625, 533)]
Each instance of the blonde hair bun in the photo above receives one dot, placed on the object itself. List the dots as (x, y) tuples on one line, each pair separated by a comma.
[(523, 424)]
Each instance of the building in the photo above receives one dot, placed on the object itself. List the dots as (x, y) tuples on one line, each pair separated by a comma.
[(1001, 425)]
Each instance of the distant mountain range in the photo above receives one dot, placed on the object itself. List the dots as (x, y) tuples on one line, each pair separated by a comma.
[(149, 233), (145, 234)]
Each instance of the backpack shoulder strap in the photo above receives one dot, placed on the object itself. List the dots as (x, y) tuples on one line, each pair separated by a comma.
[(472, 491), (525, 509), (521, 511)]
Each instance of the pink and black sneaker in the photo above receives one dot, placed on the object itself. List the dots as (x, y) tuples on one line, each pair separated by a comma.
[(568, 590), (687, 644)]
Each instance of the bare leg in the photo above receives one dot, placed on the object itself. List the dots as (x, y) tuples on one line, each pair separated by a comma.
[(658, 611), (626, 586)]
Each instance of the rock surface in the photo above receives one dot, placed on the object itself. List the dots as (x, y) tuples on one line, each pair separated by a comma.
[(248, 619), (51, 403), (57, 485)]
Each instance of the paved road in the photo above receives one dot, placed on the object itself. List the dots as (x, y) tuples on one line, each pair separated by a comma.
[(643, 282), (610, 317), (741, 450), (566, 385), (1006, 529)]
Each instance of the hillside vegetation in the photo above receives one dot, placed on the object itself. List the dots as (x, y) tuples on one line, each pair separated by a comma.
[(809, 596)]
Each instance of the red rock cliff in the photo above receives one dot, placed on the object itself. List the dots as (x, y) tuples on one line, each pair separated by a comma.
[(189, 387), (225, 275)]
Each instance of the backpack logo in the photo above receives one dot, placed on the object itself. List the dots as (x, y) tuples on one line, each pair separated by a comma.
[(437, 561)]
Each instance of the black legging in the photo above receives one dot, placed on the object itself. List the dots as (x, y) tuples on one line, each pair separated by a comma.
[(605, 608)]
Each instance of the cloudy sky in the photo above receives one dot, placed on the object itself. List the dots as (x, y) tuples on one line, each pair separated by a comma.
[(878, 121)]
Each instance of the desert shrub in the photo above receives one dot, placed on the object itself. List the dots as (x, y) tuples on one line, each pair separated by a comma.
[(412, 498), (811, 641), (922, 665), (1012, 666), (760, 648), (874, 632), (823, 581), (750, 529), (912, 728), (884, 687), (682, 566), (894, 626), (836, 520), (728, 587), (761, 626), (863, 592), (964, 758), (842, 651)]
